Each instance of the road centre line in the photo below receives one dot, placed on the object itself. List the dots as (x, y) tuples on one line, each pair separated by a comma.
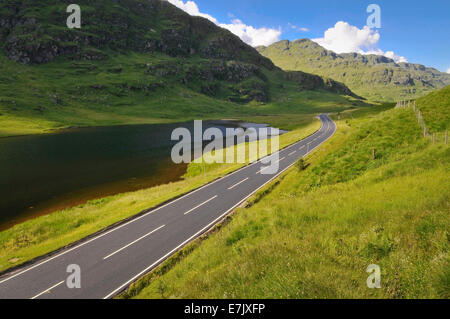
[(133, 242), (49, 289), (237, 184), (191, 210)]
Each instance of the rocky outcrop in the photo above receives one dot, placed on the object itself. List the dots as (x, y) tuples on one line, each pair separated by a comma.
[(308, 81)]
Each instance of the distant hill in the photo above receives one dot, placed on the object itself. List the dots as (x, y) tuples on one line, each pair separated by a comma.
[(371, 76)]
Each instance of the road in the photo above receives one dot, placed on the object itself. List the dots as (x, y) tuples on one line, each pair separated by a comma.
[(114, 259)]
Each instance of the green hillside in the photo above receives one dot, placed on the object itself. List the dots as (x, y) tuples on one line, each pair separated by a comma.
[(313, 234), (374, 77), (135, 61), (435, 108)]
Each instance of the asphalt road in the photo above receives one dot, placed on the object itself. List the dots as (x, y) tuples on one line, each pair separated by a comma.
[(112, 260)]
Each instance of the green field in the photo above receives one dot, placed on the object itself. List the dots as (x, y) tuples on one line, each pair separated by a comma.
[(313, 233)]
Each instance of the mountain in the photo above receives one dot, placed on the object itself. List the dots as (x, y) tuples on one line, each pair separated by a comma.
[(372, 76), (127, 62), (36, 32)]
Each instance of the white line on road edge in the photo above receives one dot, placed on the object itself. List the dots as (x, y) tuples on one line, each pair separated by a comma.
[(133, 242), (48, 290), (237, 184), (207, 201), (200, 231)]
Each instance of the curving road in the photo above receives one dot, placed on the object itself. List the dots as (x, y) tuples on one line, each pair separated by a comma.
[(114, 259)]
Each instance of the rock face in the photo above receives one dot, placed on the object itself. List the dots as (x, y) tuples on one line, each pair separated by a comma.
[(308, 81), (372, 76)]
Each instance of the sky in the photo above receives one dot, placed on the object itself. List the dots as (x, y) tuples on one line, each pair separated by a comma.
[(411, 31)]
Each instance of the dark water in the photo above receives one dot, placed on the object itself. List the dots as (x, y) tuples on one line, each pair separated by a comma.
[(43, 173)]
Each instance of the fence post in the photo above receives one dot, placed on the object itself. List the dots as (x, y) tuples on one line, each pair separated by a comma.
[(374, 154)]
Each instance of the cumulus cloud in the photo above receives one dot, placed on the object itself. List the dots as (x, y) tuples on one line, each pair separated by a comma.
[(249, 34), (448, 70), (345, 38)]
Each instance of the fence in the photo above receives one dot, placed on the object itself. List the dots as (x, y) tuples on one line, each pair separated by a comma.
[(439, 137)]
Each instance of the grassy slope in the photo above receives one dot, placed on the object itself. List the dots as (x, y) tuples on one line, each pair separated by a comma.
[(373, 77), (315, 233), (435, 108), (44, 234)]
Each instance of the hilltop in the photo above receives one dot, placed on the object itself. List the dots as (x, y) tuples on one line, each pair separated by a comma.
[(128, 62), (374, 77)]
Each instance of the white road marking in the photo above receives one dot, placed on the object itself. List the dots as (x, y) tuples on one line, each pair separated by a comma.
[(49, 289), (191, 210), (302, 147), (237, 184), (292, 153), (280, 159), (262, 169), (133, 242)]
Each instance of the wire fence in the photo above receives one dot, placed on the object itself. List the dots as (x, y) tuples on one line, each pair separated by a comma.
[(437, 137)]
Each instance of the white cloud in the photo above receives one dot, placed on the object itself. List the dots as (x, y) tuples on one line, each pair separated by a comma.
[(249, 34), (448, 70), (345, 38), (296, 28)]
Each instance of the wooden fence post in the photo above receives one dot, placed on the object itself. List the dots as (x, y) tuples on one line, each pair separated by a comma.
[(374, 154)]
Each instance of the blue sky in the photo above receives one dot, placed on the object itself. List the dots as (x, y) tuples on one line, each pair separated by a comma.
[(416, 30)]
